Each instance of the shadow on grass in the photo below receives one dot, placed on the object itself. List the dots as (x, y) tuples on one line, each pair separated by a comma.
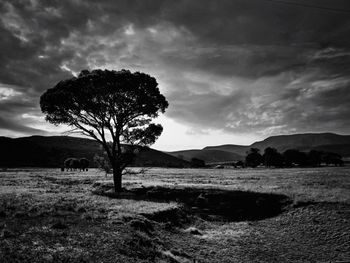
[(209, 204)]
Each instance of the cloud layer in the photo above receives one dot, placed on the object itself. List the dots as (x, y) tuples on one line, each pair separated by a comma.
[(236, 66)]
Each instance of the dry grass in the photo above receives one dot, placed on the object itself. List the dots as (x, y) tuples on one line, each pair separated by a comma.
[(50, 216), (326, 184)]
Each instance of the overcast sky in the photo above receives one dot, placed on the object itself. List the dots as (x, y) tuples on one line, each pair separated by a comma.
[(233, 71)]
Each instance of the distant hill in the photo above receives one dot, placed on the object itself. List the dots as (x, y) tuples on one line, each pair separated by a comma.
[(40, 151), (232, 148), (153, 158), (207, 155), (304, 142)]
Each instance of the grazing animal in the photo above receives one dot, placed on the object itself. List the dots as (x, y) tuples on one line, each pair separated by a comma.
[(83, 164), (67, 164), (71, 164)]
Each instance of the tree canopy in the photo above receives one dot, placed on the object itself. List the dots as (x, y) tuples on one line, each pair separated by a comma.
[(253, 158), (108, 105), (272, 157)]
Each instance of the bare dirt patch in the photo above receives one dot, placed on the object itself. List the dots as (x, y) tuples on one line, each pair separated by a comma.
[(209, 204)]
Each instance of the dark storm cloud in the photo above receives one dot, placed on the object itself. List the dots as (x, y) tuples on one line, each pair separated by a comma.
[(13, 125), (241, 66), (17, 111), (264, 23)]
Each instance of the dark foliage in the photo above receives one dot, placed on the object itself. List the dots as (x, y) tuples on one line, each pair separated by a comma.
[(291, 158), (330, 158), (253, 158), (295, 157), (239, 164), (315, 158), (197, 163), (272, 158)]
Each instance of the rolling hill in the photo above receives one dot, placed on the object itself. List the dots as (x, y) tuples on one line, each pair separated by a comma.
[(209, 156), (232, 148), (304, 142), (40, 151)]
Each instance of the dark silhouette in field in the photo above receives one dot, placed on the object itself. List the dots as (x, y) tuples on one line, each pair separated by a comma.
[(240, 164), (315, 158), (84, 164), (294, 157), (291, 158), (104, 104), (197, 163), (332, 159), (272, 158), (72, 164), (253, 158)]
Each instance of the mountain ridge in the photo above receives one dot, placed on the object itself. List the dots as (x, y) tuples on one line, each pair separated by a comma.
[(301, 141), (207, 155)]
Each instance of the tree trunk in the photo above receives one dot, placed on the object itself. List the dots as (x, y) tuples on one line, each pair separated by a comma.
[(117, 179)]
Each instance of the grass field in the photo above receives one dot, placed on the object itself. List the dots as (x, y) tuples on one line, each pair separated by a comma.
[(326, 184), (51, 216)]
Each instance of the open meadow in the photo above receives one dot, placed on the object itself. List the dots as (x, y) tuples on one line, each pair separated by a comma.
[(176, 215)]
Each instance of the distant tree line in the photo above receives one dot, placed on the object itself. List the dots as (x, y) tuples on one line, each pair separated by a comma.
[(197, 163), (290, 158)]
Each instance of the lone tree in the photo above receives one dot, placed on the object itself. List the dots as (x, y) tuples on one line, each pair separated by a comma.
[(108, 105)]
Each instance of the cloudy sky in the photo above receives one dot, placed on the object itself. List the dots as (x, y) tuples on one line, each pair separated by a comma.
[(233, 71)]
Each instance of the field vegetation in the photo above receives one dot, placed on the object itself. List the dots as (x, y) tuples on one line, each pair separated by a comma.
[(176, 215)]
